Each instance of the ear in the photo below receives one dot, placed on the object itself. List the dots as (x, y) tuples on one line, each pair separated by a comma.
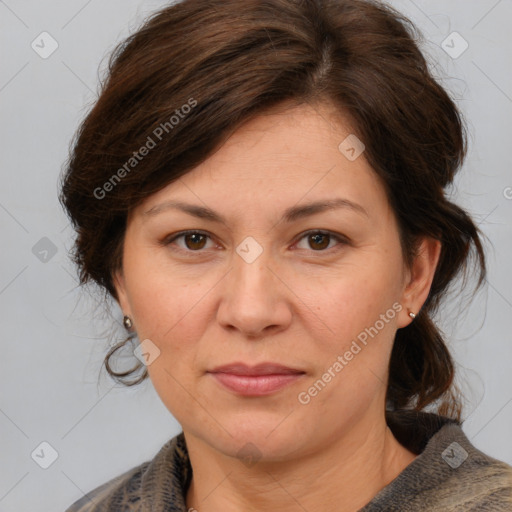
[(419, 280), (122, 296)]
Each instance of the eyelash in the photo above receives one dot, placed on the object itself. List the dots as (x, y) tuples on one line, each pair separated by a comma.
[(168, 240)]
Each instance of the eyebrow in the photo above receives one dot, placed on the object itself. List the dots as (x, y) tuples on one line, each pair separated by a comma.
[(290, 215)]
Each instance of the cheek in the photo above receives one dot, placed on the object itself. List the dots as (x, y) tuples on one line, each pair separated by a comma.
[(163, 299), (173, 315), (355, 298), (352, 358), (172, 309), (360, 308)]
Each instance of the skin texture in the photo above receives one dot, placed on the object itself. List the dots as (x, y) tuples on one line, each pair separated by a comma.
[(300, 303)]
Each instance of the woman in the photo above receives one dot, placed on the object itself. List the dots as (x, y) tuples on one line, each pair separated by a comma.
[(260, 186)]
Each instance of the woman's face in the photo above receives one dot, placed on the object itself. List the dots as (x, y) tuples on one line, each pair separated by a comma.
[(263, 285)]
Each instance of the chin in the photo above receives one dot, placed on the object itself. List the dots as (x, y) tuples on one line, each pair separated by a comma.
[(255, 436)]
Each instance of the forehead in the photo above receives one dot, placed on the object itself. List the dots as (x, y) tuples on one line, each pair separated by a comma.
[(279, 158), (304, 133)]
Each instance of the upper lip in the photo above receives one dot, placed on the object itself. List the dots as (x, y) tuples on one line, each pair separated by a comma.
[(259, 369)]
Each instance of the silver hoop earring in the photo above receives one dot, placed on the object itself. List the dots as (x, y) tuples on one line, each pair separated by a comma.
[(127, 322), (412, 315)]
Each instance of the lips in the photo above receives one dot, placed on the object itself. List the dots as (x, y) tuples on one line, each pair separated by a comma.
[(262, 379), (260, 369)]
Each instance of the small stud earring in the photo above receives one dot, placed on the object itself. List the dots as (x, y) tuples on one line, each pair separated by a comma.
[(127, 322), (412, 315)]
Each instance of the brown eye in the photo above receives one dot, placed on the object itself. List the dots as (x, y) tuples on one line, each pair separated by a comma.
[(319, 241), (194, 241), (189, 241)]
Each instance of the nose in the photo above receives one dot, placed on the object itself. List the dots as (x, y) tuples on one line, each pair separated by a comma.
[(255, 300)]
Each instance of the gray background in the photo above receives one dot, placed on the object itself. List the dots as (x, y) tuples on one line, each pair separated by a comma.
[(53, 348)]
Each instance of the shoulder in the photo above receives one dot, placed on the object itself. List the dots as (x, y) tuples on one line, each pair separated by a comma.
[(141, 486), (472, 479), (115, 490), (491, 487), (449, 474)]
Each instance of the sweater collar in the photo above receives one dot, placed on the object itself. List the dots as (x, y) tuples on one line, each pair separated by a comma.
[(414, 430)]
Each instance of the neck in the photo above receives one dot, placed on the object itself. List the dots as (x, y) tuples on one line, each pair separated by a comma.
[(343, 476)]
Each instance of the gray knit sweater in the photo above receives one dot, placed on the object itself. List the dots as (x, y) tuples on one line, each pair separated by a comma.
[(449, 475)]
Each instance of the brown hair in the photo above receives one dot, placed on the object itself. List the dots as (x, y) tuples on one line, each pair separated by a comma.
[(196, 70)]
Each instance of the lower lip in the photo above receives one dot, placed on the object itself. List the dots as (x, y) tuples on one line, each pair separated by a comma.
[(256, 385)]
